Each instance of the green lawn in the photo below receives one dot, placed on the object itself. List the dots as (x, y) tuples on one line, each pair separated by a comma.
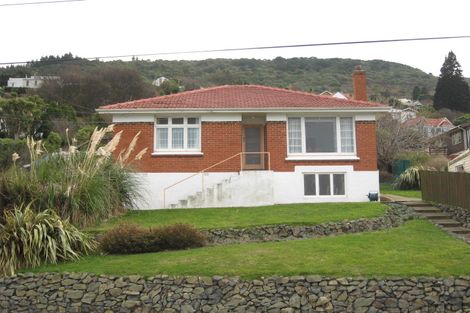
[(416, 248), (387, 188), (305, 214)]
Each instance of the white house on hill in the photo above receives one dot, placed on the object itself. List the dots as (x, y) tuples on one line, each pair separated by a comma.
[(28, 82)]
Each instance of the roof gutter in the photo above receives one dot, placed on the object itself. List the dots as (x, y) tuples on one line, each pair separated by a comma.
[(241, 110)]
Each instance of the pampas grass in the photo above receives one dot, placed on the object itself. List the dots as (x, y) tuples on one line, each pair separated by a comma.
[(84, 187)]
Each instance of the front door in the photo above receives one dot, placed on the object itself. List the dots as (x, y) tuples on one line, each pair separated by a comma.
[(253, 144)]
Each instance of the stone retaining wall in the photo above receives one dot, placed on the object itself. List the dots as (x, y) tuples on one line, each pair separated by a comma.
[(395, 216), (53, 292), (459, 214)]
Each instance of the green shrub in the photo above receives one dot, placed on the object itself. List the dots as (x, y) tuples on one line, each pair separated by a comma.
[(178, 236), (53, 142), (29, 239), (9, 146), (129, 238), (84, 187)]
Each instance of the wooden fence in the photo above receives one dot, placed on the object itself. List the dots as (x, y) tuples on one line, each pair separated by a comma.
[(446, 187)]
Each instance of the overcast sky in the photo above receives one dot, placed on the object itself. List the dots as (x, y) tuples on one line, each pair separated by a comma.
[(120, 27)]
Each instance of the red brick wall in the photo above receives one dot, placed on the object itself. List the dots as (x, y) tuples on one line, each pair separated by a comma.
[(276, 144), (221, 140)]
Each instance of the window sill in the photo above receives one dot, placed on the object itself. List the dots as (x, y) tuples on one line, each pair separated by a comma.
[(324, 196), (194, 153), (322, 157)]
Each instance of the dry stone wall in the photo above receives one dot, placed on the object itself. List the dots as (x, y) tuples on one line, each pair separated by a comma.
[(459, 214), (54, 292), (395, 216)]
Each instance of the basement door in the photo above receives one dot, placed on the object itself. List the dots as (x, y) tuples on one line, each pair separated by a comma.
[(253, 144)]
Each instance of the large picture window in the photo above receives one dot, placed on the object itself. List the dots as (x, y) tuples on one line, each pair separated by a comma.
[(321, 135), (177, 134), (324, 184)]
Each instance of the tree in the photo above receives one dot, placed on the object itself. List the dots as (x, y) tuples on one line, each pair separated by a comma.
[(394, 139), (24, 116), (87, 89), (168, 87), (416, 93), (452, 90), (463, 119)]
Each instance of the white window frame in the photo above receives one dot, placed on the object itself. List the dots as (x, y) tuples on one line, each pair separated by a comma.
[(338, 155), (317, 184), (185, 150)]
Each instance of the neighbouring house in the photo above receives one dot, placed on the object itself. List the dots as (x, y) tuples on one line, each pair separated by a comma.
[(403, 115), (430, 127), (159, 81), (460, 163), (336, 95), (458, 140), (28, 82), (410, 103), (247, 145)]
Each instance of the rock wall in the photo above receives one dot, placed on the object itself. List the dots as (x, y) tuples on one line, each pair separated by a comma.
[(53, 292), (395, 216), (459, 214)]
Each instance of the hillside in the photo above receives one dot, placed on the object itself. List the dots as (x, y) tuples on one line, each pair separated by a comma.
[(99, 82), (308, 74)]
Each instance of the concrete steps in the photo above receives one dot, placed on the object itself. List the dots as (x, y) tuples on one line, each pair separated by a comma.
[(440, 218), (459, 230), (435, 215)]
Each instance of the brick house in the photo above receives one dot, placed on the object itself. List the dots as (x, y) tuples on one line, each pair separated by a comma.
[(247, 145)]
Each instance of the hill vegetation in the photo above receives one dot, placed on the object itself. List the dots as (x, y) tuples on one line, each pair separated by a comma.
[(385, 79)]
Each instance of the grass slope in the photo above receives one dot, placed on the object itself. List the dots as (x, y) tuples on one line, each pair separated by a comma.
[(416, 248), (387, 188), (305, 214)]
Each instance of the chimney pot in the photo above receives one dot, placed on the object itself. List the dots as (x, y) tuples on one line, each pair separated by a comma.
[(359, 83)]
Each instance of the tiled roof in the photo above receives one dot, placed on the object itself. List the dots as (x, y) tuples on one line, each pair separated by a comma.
[(433, 122), (241, 97)]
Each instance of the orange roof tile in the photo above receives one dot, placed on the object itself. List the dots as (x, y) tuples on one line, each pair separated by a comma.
[(241, 97)]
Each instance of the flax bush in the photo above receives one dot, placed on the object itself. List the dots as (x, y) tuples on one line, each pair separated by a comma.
[(409, 179), (82, 186), (29, 239)]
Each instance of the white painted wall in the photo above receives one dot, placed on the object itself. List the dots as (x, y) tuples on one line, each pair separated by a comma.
[(289, 186), (254, 188), (153, 184)]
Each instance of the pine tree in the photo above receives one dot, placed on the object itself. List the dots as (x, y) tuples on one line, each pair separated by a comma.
[(452, 90)]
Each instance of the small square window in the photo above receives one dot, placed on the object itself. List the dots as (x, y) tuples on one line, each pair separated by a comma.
[(162, 121), (193, 120), (177, 120)]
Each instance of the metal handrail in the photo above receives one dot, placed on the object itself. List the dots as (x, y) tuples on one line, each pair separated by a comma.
[(212, 166)]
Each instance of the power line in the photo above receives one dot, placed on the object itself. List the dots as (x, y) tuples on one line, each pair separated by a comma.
[(38, 3), (252, 48)]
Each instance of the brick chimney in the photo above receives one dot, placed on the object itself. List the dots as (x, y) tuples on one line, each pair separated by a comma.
[(359, 83)]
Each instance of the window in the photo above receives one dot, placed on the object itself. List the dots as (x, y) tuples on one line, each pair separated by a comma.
[(178, 134), (324, 184), (320, 135), (457, 138)]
